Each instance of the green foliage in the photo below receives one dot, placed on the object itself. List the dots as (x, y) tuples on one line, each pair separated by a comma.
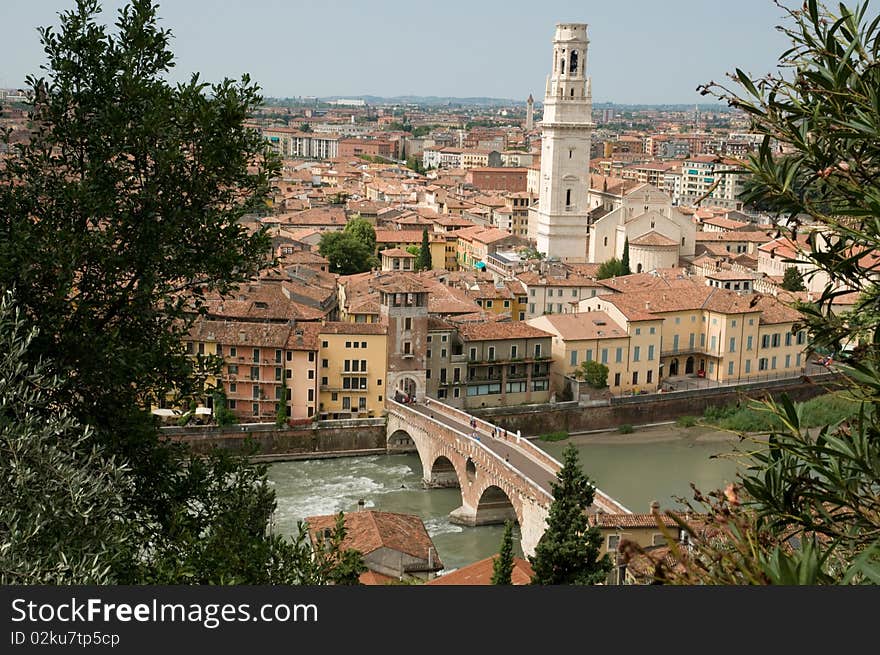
[(594, 373), (502, 566), (612, 268), (819, 485), (281, 405), (686, 421), (346, 253), (223, 416), (414, 162), (792, 279), (424, 261), (330, 563), (568, 551), (61, 495), (562, 435), (626, 428), (754, 416), (305, 127), (624, 262), (117, 217)]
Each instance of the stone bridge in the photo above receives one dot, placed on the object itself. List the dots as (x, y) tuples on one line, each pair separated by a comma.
[(501, 475)]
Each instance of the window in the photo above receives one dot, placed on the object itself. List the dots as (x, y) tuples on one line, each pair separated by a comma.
[(429, 338), (733, 323), (568, 197), (618, 355), (651, 353), (201, 348), (775, 341), (356, 345), (255, 409), (407, 323), (311, 356), (289, 355), (232, 351), (732, 345), (613, 540), (278, 370), (537, 350), (650, 377), (635, 377), (255, 372), (604, 355), (255, 391), (428, 353), (730, 368), (748, 343), (348, 344), (473, 355), (288, 374), (325, 363), (363, 344), (189, 347), (277, 356), (748, 366), (658, 540), (773, 362), (256, 354), (491, 353), (788, 338), (231, 404), (407, 348), (713, 342), (638, 331), (636, 353), (233, 387), (325, 381), (311, 375), (311, 395), (574, 357), (762, 364), (334, 396), (675, 342), (652, 331), (443, 338), (346, 402), (787, 361), (233, 369), (514, 352), (589, 356), (800, 337), (324, 344), (617, 379)]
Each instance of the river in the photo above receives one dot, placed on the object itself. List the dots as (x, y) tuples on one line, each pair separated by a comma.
[(651, 463)]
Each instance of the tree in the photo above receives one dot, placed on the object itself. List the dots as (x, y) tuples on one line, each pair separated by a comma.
[(568, 551), (625, 261), (594, 373), (424, 260), (116, 217), (806, 509), (346, 253), (502, 566), (61, 496), (305, 127), (792, 279), (363, 231), (611, 268), (281, 405)]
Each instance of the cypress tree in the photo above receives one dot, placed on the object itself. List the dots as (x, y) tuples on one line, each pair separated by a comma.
[(424, 260), (502, 567), (568, 552), (625, 260)]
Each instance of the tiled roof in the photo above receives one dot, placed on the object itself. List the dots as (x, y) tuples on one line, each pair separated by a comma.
[(495, 331), (581, 326), (347, 327), (653, 239), (480, 573), (369, 530), (604, 520)]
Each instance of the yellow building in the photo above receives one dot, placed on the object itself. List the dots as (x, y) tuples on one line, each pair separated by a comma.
[(630, 350), (714, 333), (352, 362), (403, 239)]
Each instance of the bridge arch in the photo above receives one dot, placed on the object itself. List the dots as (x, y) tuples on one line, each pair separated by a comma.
[(470, 469), (494, 506), (400, 441), (442, 473)]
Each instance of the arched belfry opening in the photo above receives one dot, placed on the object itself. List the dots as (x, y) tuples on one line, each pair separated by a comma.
[(573, 65)]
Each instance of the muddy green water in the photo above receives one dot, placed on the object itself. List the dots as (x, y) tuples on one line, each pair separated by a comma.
[(652, 463)]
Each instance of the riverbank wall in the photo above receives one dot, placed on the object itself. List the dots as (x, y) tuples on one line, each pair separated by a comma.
[(572, 417), (316, 440)]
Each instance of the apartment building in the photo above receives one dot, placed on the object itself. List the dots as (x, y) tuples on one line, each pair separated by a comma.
[(488, 364), (631, 352), (718, 334), (352, 370)]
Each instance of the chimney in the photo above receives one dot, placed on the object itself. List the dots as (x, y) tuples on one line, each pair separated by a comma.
[(361, 504), (655, 507)]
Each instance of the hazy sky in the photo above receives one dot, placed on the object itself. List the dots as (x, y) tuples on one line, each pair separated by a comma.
[(641, 51)]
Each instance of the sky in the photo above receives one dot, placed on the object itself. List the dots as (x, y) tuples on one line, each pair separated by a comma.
[(641, 51)]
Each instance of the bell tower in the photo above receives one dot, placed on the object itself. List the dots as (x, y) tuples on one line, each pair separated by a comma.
[(559, 222)]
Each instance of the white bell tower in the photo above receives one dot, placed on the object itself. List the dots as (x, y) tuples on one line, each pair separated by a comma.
[(559, 223)]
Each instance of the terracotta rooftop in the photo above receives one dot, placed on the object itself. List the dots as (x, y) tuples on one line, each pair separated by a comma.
[(496, 331), (480, 573), (581, 326), (653, 239), (347, 327), (369, 530)]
